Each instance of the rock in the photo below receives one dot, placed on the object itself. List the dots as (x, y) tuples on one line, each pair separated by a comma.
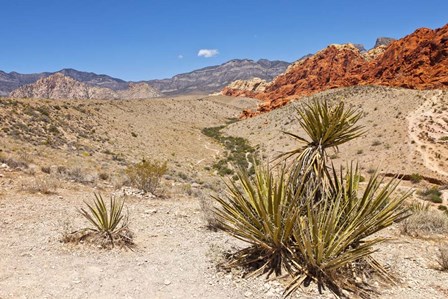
[(243, 87), (167, 282), (214, 78), (417, 61), (195, 185), (383, 41), (59, 86)]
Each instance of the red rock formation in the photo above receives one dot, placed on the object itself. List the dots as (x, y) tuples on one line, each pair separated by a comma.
[(417, 61)]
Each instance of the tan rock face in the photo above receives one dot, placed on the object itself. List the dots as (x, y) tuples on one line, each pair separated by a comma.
[(58, 86), (245, 88), (417, 61)]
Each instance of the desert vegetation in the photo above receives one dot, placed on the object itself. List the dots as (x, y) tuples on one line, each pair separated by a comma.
[(309, 219), (239, 154), (43, 186), (146, 174), (109, 225)]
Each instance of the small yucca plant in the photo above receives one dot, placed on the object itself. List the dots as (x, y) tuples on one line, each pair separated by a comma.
[(109, 224), (104, 220)]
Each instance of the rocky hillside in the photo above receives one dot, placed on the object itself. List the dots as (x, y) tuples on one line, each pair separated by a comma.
[(13, 80), (59, 86), (214, 78), (417, 61)]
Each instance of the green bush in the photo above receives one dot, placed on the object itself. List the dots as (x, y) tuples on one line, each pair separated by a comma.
[(146, 175), (416, 178)]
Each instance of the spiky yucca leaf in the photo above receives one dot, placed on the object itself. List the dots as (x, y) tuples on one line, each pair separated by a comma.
[(331, 235), (327, 126), (100, 217), (262, 212)]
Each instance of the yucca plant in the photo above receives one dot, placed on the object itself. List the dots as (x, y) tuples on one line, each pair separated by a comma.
[(260, 211), (335, 234), (327, 126), (109, 222), (310, 219)]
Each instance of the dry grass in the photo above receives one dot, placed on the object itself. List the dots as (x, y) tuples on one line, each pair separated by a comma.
[(122, 239), (40, 185), (442, 258), (208, 207), (425, 223)]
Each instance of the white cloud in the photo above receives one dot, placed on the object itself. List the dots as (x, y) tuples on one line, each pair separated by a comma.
[(207, 53), (180, 56)]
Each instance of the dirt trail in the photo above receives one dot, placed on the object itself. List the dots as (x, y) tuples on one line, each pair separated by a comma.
[(428, 125)]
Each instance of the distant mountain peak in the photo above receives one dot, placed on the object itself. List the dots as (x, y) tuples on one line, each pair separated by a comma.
[(60, 86), (213, 78)]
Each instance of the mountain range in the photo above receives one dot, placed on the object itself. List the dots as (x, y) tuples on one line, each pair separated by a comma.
[(203, 81)]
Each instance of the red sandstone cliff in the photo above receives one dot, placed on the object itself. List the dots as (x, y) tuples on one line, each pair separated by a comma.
[(417, 61)]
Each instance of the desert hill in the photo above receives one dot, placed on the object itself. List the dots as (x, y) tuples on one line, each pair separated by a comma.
[(417, 61), (56, 153), (59, 86)]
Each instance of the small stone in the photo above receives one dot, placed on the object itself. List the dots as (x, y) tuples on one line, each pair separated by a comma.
[(167, 282), (151, 211), (248, 294)]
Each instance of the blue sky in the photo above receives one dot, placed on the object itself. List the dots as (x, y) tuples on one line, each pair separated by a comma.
[(140, 40)]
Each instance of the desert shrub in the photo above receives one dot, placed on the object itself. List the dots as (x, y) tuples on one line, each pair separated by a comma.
[(419, 207), (13, 163), (432, 194), (425, 222), (307, 219), (109, 225), (239, 153), (442, 257), (103, 176), (416, 178), (146, 175), (46, 169), (40, 185), (207, 206), (76, 174), (443, 208)]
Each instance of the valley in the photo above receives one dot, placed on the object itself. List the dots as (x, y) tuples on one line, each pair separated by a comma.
[(176, 254)]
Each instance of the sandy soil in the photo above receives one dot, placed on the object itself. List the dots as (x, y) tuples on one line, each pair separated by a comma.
[(176, 255)]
